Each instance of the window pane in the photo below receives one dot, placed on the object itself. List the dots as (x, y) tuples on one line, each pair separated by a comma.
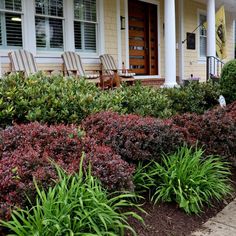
[(49, 33), (14, 5), (77, 31), (40, 32), (85, 25), (202, 35), (85, 10), (13, 29), (90, 36), (56, 8), (203, 46), (49, 7), (56, 33), (49, 30)]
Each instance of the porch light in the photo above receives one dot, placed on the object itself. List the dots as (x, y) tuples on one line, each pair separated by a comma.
[(122, 22), (16, 19)]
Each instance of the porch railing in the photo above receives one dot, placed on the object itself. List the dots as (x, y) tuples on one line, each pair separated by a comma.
[(214, 67)]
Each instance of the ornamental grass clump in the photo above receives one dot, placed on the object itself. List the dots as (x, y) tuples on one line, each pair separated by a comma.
[(190, 179), (76, 205)]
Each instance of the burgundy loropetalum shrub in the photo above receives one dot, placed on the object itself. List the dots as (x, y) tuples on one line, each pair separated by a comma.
[(215, 131), (25, 153), (133, 137)]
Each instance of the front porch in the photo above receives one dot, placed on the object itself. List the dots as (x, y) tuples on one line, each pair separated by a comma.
[(153, 46)]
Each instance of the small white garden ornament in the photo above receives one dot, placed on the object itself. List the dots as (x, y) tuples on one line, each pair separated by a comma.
[(222, 101)]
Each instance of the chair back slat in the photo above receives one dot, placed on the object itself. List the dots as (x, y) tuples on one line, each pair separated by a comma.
[(23, 60), (72, 62), (108, 63)]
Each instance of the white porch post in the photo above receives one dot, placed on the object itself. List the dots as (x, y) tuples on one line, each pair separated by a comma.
[(118, 25), (211, 35), (170, 44)]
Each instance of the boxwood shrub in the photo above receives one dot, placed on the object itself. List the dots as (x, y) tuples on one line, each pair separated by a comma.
[(193, 98), (51, 99), (228, 81)]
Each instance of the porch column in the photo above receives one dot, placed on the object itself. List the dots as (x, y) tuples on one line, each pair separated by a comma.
[(211, 35), (170, 44)]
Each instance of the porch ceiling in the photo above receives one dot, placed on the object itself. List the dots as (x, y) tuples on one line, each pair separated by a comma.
[(230, 5)]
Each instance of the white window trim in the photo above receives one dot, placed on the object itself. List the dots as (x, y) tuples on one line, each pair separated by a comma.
[(201, 60)]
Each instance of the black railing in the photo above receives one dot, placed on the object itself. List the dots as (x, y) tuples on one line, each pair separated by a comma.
[(214, 67)]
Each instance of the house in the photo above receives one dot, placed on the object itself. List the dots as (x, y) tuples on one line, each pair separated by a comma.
[(149, 36)]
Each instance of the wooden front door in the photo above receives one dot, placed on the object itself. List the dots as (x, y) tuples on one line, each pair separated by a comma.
[(143, 38)]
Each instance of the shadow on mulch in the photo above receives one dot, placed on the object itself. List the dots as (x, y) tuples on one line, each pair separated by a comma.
[(168, 220)]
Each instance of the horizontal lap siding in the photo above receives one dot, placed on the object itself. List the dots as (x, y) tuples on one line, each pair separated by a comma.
[(110, 28), (191, 57)]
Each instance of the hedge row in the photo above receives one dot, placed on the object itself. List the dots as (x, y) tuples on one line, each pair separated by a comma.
[(136, 138), (133, 137), (110, 142), (55, 99)]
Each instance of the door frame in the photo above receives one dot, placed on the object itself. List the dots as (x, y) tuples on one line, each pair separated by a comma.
[(157, 3)]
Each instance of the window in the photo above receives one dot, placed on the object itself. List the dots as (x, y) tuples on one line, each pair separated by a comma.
[(85, 25), (49, 24), (11, 24), (202, 36)]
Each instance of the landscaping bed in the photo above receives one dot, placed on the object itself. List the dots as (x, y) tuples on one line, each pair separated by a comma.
[(166, 219), (74, 159)]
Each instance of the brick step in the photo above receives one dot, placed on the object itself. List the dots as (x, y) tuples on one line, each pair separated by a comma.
[(153, 82)]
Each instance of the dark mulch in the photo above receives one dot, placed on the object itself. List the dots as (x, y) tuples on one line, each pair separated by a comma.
[(168, 220)]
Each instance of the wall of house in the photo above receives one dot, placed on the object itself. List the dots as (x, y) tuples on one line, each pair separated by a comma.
[(110, 26), (192, 63)]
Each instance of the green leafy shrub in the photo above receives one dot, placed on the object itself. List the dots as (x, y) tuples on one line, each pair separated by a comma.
[(42, 98), (193, 98), (137, 99), (54, 99), (76, 205), (147, 101), (190, 180), (228, 81)]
